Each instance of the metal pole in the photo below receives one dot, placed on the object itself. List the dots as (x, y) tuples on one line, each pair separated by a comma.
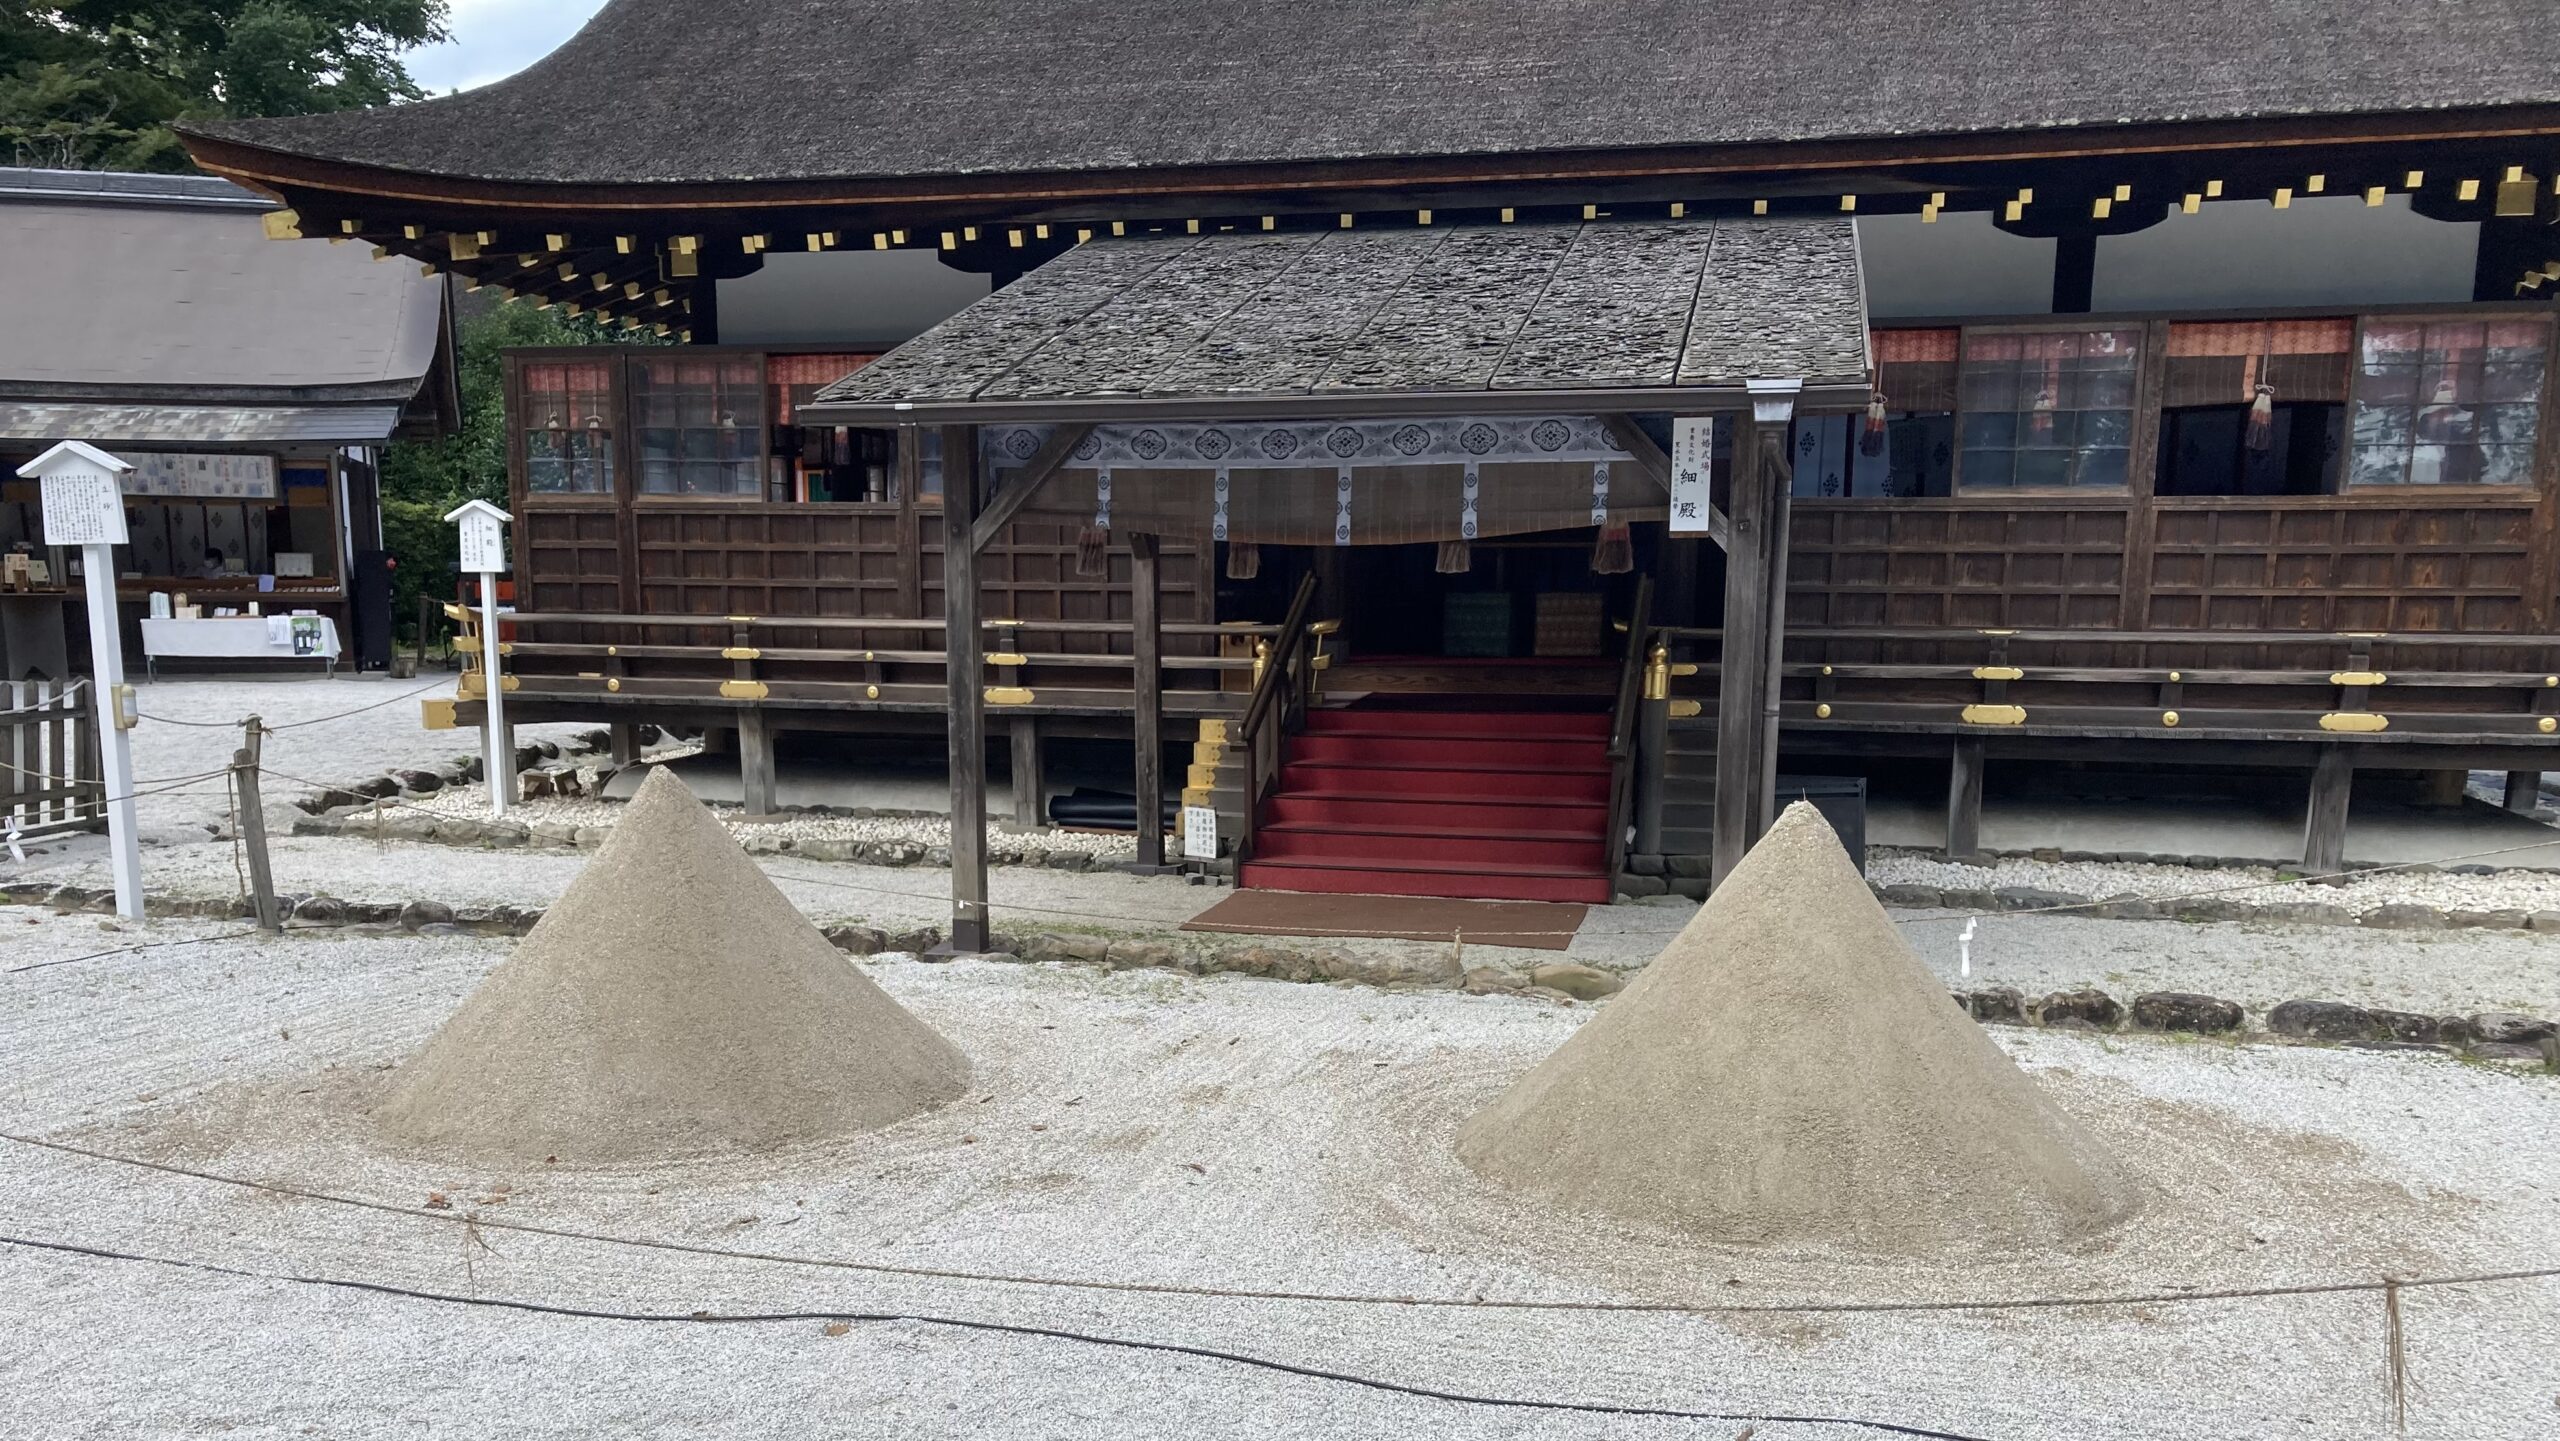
[(501, 766), (115, 734)]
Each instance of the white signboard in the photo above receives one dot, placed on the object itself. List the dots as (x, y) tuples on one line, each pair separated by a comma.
[(482, 531), (1199, 833), (82, 506), (1692, 452), (218, 477)]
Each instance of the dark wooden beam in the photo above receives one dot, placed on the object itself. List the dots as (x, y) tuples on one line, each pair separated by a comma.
[(2524, 792), (755, 762), (1742, 731), (2075, 272), (964, 652), (1146, 631), (1964, 799), (1030, 778), (2324, 826), (1025, 484)]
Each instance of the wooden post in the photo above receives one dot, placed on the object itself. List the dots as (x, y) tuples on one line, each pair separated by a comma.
[(253, 824), (1029, 780), (2524, 791), (1781, 490), (1653, 749), (1741, 727), (1146, 644), (2324, 829), (1964, 800), (625, 743), (755, 762), (964, 655)]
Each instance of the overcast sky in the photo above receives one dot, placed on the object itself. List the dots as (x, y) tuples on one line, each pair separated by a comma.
[(493, 39)]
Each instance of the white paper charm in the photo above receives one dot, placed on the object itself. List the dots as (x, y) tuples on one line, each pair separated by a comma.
[(1599, 492), (1467, 505), (1218, 524), (1102, 500), (1342, 506)]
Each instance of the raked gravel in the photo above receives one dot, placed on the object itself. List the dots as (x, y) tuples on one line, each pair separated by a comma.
[(1222, 1132), (2515, 890)]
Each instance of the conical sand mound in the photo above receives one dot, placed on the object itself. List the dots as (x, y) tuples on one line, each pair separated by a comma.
[(673, 1003), (1788, 1072)]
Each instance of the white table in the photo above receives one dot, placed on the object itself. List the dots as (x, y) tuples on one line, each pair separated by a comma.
[(239, 637)]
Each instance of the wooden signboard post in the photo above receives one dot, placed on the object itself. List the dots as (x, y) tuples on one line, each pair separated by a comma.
[(84, 506), (484, 553)]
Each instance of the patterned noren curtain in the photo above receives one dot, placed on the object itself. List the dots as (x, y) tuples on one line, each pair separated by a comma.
[(2224, 362)]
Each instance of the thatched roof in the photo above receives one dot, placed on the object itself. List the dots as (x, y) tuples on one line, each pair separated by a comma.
[(1442, 311), (746, 90)]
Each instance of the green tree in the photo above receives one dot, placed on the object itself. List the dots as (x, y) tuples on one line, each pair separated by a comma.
[(424, 480), (96, 84)]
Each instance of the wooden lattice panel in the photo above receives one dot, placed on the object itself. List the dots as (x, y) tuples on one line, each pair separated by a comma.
[(1915, 564), (2341, 564), (571, 560)]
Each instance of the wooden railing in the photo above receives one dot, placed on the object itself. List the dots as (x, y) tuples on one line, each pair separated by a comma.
[(51, 776), (1622, 722), (1280, 694), (885, 664), (2319, 687)]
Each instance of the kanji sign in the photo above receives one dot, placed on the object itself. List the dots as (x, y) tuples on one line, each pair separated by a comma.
[(1692, 452), (83, 494)]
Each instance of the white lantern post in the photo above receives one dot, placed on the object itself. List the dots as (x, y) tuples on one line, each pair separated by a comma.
[(484, 553), (84, 506)]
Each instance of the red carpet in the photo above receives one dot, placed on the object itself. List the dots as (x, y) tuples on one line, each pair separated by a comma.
[(1530, 925)]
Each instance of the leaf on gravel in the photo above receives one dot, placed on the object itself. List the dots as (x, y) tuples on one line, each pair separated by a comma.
[(1195, 1166), (437, 1201), (838, 1328)]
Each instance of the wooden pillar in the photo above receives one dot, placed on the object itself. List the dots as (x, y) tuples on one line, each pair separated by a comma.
[(1781, 514), (2075, 273), (1964, 800), (1146, 643), (2524, 791), (964, 653), (1741, 725), (1030, 781), (624, 743), (2324, 829), (755, 762)]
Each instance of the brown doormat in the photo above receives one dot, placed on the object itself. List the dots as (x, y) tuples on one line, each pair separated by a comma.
[(1530, 925)]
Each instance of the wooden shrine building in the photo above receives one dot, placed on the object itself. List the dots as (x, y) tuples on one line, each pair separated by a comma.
[(2168, 389)]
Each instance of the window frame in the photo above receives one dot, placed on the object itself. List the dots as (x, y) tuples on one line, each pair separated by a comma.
[(2140, 404), (762, 462), (2343, 485), (519, 405)]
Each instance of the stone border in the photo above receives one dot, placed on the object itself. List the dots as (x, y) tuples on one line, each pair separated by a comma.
[(2502, 1037)]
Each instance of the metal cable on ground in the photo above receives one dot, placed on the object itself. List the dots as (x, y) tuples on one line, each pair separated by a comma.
[(134, 950), (1467, 1303), (1000, 1328)]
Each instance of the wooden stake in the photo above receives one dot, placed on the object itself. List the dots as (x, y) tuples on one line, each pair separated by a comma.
[(253, 825)]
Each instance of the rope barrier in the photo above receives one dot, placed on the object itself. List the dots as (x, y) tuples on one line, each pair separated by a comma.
[(1004, 1328), (1153, 1288)]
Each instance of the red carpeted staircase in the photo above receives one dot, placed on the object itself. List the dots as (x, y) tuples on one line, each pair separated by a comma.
[(1441, 803)]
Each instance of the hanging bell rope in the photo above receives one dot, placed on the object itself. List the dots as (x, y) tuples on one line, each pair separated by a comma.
[(1456, 557), (1244, 560), (1871, 439), (1094, 541)]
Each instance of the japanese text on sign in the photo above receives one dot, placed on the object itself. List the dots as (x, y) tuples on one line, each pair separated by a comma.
[(1692, 451), (83, 507)]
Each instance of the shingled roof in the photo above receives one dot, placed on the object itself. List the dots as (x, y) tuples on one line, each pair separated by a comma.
[(748, 90), (1464, 314)]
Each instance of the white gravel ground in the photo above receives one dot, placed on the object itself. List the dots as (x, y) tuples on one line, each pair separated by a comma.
[(2526, 891), (1223, 1133), (2258, 964)]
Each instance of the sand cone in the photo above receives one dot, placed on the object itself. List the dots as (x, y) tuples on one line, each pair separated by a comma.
[(672, 1003), (1788, 1072)]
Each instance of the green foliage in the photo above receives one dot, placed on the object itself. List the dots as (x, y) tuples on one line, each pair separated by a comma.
[(423, 480), (96, 84)]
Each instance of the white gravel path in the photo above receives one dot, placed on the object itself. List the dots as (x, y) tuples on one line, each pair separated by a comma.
[(1224, 1132), (2512, 890)]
